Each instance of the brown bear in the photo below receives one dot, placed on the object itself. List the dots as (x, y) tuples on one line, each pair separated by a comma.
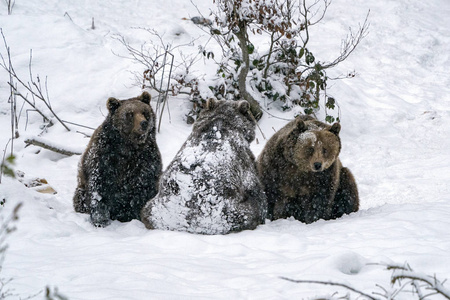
[(302, 175), (212, 186), (120, 168)]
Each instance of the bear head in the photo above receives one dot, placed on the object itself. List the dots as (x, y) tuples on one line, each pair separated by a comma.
[(234, 116), (316, 145), (133, 118)]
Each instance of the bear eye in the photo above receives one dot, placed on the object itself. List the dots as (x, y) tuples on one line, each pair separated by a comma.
[(324, 151), (311, 150), (129, 115)]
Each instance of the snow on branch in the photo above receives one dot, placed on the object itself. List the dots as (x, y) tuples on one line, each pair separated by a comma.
[(49, 145), (431, 282)]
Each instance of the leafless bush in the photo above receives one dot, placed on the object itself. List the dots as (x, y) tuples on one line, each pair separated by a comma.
[(33, 87), (166, 69)]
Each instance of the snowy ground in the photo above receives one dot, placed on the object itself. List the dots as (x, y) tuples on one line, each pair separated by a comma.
[(395, 118)]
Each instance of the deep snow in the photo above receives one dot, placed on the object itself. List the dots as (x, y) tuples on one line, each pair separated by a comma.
[(395, 121)]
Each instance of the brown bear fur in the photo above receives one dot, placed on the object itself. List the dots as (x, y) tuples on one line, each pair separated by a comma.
[(120, 168), (302, 175)]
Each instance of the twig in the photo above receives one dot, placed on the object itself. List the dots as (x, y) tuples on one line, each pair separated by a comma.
[(85, 135), (79, 125), (257, 125), (433, 283), (280, 118), (167, 89), (47, 119), (10, 4), (350, 43), (32, 87), (3, 161), (67, 14), (12, 99)]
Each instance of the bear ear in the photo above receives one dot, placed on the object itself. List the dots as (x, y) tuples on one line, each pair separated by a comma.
[(145, 97), (243, 106), (112, 104), (300, 125), (299, 128), (211, 104), (335, 128)]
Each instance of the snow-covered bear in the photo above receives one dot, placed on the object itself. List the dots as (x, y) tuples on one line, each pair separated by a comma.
[(211, 186), (302, 174), (121, 166)]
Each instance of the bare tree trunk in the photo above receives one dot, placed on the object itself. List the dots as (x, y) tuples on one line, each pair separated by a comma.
[(243, 72)]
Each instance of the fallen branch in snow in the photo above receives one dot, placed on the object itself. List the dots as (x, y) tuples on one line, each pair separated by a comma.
[(52, 147)]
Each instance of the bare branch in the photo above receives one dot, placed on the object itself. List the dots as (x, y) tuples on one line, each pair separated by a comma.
[(79, 125), (32, 87), (57, 149), (47, 119), (333, 284), (10, 5), (432, 282), (350, 43), (2, 164)]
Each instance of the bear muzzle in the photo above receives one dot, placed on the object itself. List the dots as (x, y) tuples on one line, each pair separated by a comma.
[(317, 166), (144, 125)]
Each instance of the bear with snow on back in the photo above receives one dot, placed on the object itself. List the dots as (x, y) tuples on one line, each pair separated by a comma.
[(302, 175), (120, 168), (211, 186)]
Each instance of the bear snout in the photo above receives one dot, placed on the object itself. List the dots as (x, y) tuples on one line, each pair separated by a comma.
[(317, 166), (144, 125)]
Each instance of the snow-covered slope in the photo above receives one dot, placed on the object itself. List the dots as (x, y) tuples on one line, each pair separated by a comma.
[(395, 119)]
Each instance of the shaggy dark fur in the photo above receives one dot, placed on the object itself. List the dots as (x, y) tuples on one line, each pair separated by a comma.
[(302, 174), (211, 186), (120, 169)]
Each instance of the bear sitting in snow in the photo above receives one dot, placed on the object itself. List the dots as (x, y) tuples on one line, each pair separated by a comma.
[(302, 174), (211, 186), (120, 169)]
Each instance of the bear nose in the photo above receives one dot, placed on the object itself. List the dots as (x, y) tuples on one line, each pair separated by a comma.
[(317, 166), (144, 125)]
